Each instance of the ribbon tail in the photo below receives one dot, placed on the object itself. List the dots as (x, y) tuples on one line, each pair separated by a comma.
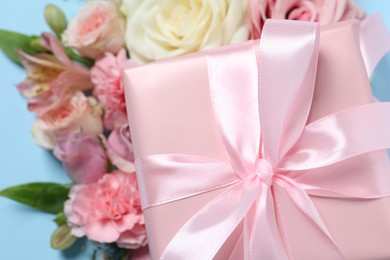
[(265, 241), (212, 225), (295, 206), (237, 252)]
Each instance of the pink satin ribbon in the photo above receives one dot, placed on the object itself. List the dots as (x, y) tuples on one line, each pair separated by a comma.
[(374, 41), (274, 162)]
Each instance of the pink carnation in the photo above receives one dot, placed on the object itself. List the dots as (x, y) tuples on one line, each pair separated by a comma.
[(108, 211), (107, 77), (324, 12)]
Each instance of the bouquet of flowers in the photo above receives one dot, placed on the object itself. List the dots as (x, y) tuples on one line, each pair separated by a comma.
[(74, 87)]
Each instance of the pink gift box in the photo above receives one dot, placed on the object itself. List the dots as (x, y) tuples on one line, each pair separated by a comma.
[(170, 112)]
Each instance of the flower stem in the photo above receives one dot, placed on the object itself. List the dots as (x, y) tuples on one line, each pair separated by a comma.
[(76, 57)]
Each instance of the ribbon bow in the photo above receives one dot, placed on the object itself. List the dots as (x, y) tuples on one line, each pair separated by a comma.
[(274, 162)]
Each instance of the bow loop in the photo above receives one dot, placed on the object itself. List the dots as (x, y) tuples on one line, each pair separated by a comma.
[(288, 60), (238, 124)]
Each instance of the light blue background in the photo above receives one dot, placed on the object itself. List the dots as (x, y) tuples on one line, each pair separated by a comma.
[(25, 233)]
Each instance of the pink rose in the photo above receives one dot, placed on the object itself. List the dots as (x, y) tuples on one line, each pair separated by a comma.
[(98, 28), (107, 77), (51, 78), (324, 12), (76, 114), (83, 157), (108, 211), (120, 149), (332, 11)]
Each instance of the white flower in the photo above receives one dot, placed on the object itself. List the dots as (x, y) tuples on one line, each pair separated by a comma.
[(158, 29)]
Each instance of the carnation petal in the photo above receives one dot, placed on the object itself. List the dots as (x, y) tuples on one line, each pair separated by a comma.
[(107, 210), (103, 231)]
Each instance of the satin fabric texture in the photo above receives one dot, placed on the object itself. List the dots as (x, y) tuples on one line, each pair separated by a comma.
[(275, 161)]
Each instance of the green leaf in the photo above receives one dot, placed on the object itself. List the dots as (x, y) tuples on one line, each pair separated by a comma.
[(60, 219), (48, 197), (10, 42), (62, 238)]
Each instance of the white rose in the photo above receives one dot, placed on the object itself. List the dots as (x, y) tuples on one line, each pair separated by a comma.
[(79, 114), (158, 29)]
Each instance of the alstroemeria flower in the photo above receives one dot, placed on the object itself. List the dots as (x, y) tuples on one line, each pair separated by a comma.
[(51, 78), (82, 156)]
